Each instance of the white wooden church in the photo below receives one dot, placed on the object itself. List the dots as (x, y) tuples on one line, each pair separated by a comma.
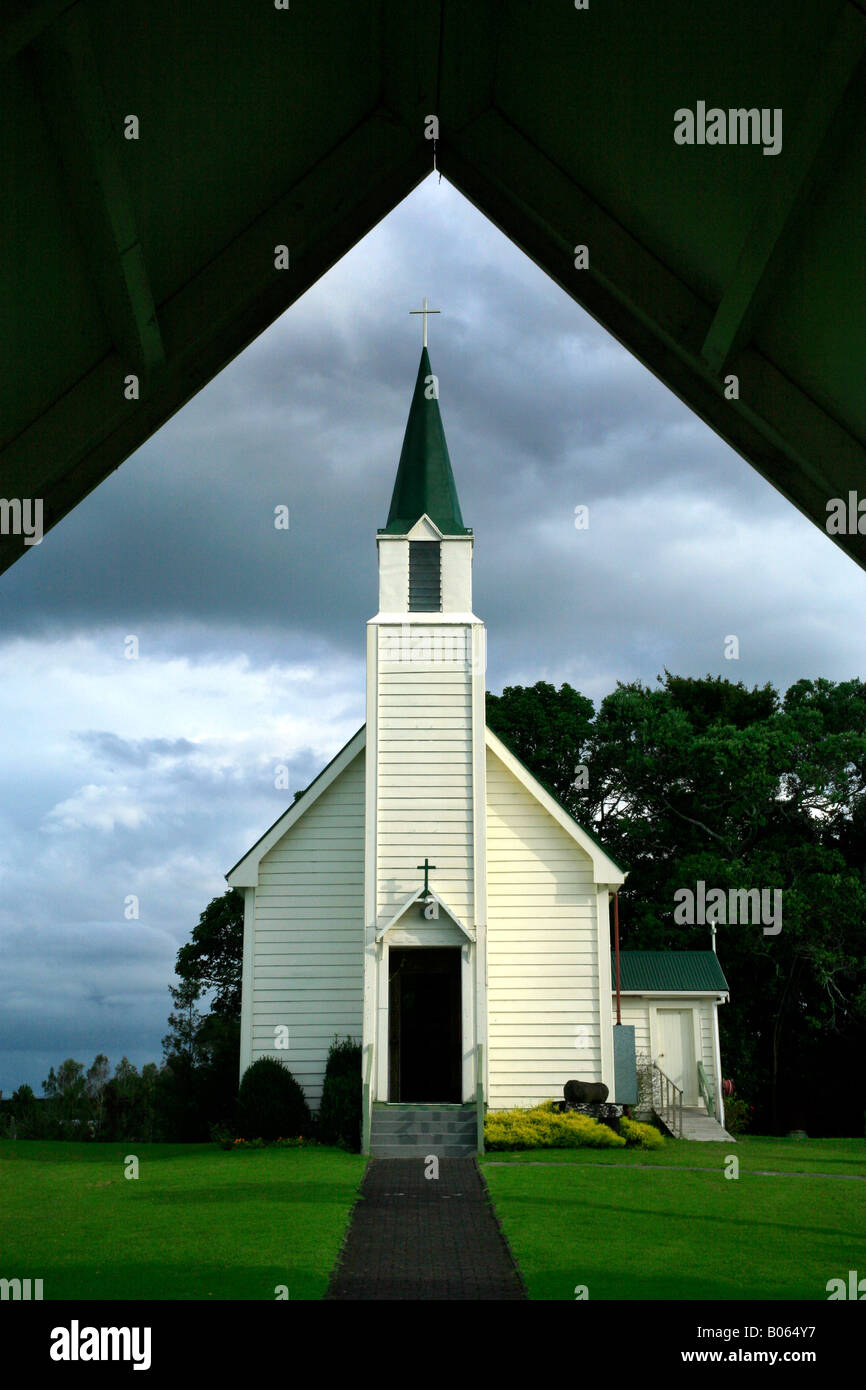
[(426, 894)]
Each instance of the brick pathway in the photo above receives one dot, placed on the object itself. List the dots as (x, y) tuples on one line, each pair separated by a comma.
[(413, 1237)]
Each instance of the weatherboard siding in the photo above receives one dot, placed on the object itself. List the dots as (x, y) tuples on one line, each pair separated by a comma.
[(542, 949), (309, 941), (424, 766), (635, 1013)]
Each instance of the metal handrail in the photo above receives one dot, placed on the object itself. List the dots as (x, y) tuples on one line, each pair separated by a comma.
[(670, 1101), (366, 1107), (479, 1097), (705, 1089)]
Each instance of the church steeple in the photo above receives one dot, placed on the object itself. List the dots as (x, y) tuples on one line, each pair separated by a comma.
[(425, 482), (425, 765), (425, 551)]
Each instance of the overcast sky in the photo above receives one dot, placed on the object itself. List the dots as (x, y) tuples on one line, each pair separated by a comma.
[(153, 776)]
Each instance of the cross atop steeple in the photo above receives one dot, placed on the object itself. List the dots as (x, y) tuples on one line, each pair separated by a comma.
[(425, 311)]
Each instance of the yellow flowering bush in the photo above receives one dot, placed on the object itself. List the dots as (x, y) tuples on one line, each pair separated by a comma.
[(542, 1127), (639, 1135)]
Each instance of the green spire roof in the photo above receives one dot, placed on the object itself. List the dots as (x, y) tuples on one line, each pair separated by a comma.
[(425, 482)]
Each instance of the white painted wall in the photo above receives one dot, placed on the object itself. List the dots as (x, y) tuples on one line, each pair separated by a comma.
[(641, 1011), (393, 575), (308, 942), (421, 691), (543, 950), (456, 558)]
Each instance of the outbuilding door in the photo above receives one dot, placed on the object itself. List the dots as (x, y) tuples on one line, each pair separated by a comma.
[(675, 1054)]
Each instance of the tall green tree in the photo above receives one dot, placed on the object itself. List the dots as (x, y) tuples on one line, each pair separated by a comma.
[(199, 1083), (212, 959), (66, 1092), (184, 1023), (549, 730), (704, 779), (95, 1083)]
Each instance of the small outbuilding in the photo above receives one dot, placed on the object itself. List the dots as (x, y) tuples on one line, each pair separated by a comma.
[(671, 999)]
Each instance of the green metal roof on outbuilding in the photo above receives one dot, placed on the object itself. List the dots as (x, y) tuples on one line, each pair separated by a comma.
[(689, 972), (425, 482)]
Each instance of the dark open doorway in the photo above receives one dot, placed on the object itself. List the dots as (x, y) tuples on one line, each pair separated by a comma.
[(424, 1033)]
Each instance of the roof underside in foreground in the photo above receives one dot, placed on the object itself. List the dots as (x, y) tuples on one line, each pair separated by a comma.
[(304, 127)]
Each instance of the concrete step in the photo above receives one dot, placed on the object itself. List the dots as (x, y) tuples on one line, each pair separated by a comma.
[(421, 1150), (402, 1138), (394, 1124), (410, 1134), (398, 1114), (413, 1131), (427, 1112)]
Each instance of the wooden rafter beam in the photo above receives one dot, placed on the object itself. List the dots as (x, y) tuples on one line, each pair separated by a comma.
[(61, 456), (798, 169), (89, 144), (774, 425)]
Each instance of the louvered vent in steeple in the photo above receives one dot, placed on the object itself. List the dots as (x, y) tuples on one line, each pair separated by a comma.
[(425, 577)]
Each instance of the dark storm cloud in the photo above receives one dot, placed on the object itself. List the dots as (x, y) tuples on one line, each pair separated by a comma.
[(137, 752), (537, 402)]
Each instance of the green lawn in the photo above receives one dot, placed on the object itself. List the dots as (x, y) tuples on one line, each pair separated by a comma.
[(842, 1157), (201, 1223), (198, 1222), (630, 1229)]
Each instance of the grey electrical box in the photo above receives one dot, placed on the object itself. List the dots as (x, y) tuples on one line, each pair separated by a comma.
[(624, 1065)]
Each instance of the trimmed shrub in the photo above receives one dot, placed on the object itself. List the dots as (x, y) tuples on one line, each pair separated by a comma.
[(542, 1127), (271, 1102), (340, 1108), (640, 1136)]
